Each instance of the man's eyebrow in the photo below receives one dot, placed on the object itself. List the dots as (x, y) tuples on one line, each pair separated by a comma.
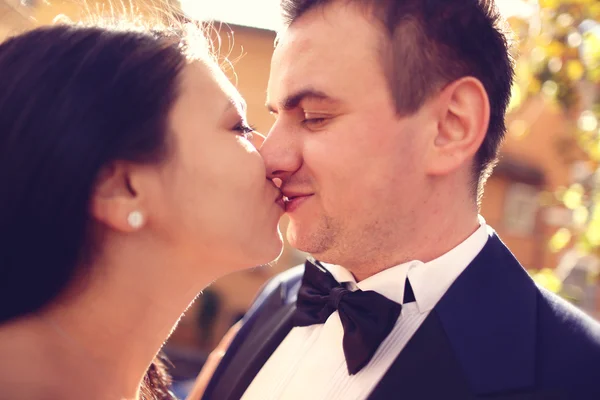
[(292, 101)]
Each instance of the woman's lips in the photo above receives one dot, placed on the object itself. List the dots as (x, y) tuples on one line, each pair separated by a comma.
[(280, 201)]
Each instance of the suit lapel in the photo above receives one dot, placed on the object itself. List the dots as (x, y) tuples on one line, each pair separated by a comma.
[(478, 341), (265, 326), (426, 369), (489, 315), (253, 354)]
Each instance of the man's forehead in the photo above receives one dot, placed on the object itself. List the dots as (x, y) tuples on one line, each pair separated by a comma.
[(294, 49), (330, 37), (302, 59), (291, 65), (324, 50), (300, 78)]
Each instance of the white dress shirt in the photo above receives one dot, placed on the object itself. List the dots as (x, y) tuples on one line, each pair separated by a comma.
[(309, 364)]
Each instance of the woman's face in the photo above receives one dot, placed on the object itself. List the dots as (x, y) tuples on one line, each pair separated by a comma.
[(213, 201)]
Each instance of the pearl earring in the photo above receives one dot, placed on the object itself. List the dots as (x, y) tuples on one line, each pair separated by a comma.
[(135, 219)]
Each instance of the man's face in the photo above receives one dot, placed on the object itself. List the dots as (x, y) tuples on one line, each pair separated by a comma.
[(351, 166)]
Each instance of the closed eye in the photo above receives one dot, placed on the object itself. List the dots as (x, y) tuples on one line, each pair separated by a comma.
[(244, 130), (313, 120), (314, 123)]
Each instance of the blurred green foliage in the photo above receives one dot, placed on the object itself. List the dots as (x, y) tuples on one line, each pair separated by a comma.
[(559, 57)]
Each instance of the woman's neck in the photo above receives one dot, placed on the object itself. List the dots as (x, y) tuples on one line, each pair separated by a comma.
[(38, 362), (105, 334)]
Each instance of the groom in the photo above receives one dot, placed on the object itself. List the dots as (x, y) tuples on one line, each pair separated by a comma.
[(389, 115)]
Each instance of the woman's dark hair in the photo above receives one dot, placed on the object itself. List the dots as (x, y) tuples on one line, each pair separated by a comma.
[(72, 100)]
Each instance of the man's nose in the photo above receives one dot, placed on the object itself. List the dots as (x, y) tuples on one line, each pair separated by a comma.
[(282, 152)]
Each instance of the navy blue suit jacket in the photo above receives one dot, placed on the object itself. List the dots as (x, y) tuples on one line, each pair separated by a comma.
[(493, 335)]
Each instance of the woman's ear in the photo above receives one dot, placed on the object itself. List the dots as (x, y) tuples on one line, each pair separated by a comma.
[(115, 201)]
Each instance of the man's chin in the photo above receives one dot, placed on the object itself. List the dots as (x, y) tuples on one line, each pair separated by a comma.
[(311, 241)]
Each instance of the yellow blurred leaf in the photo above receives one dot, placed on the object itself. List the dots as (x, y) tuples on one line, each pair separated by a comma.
[(574, 39), (546, 278), (591, 48), (516, 97), (593, 232), (534, 86), (555, 65), (587, 121), (550, 89), (583, 247), (549, 3), (573, 196), (555, 49), (560, 239), (580, 216), (575, 70), (565, 20), (594, 10), (538, 56), (594, 75), (593, 151)]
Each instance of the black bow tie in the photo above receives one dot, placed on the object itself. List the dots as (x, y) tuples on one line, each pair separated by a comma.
[(367, 317)]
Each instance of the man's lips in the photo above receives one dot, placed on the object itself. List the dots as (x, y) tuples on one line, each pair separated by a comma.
[(293, 201), (289, 196)]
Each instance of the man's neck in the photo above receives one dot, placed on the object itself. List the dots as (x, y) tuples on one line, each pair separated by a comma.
[(435, 234)]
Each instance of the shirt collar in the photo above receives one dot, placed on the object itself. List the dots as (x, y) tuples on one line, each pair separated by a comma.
[(429, 281)]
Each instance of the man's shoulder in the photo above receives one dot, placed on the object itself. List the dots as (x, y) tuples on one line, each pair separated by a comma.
[(568, 342), (286, 283), (557, 314), (282, 288)]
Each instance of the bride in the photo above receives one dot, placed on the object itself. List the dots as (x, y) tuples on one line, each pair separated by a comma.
[(130, 181)]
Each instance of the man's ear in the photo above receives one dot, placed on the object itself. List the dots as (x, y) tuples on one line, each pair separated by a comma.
[(463, 112), (115, 201)]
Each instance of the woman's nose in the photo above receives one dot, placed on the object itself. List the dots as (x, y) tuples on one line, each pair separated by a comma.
[(257, 139)]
